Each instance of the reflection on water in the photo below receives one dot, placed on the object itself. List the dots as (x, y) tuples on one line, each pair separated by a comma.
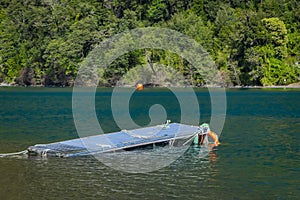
[(85, 177)]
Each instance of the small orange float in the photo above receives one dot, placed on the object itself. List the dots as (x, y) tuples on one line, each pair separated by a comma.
[(140, 86), (214, 137)]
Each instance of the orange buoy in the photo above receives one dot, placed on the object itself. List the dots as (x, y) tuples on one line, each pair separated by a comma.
[(139, 86), (214, 137)]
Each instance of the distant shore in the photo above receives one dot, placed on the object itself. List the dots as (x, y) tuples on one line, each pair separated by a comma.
[(277, 86), (294, 85)]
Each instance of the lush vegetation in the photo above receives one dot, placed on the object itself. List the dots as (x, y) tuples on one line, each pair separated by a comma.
[(255, 42)]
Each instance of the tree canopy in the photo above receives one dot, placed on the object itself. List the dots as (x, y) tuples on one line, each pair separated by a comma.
[(252, 42)]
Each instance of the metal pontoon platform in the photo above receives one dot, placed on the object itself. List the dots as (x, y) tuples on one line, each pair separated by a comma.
[(167, 134)]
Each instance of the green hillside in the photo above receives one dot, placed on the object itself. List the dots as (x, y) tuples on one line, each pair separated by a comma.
[(256, 42)]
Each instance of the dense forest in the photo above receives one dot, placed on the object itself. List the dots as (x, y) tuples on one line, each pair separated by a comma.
[(253, 42)]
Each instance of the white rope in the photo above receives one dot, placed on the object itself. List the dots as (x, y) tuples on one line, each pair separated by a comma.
[(171, 142), (14, 154), (44, 153), (206, 142), (150, 135), (103, 146), (166, 125), (139, 136), (192, 137)]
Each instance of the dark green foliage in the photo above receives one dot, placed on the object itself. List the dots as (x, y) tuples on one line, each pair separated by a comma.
[(252, 42)]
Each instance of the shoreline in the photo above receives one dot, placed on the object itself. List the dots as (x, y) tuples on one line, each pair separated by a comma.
[(265, 87), (291, 86)]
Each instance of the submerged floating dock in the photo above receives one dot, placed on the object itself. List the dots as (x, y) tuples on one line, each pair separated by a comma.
[(173, 134)]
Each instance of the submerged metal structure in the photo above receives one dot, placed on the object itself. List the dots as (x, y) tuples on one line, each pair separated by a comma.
[(172, 134)]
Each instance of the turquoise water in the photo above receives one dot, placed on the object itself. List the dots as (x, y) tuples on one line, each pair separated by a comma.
[(259, 157)]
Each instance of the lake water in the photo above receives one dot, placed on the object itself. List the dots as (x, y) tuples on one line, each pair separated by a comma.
[(259, 157)]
